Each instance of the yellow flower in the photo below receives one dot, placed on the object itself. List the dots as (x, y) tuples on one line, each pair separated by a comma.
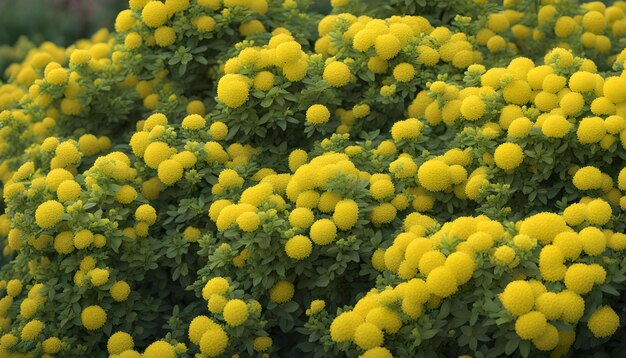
[(588, 178), (31, 330), (367, 336), (99, 276), (93, 317), (573, 306), (508, 156), (434, 175), (170, 171), (337, 74), (120, 342), (214, 341), (531, 325), (298, 247), (282, 292), (193, 121), (603, 322), (154, 14), (593, 240), (164, 36), (346, 214), (344, 326), (518, 297), (49, 214), (232, 90), (248, 221), (598, 212), (404, 72), (472, 108), (556, 126), (160, 349), (146, 213), (120, 291), (387, 46), (591, 130), (317, 114), (441, 281), (235, 312)]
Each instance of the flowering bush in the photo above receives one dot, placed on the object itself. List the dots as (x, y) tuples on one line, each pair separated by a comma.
[(247, 178)]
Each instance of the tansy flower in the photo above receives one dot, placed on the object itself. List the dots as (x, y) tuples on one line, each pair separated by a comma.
[(93, 317), (235, 312), (337, 74), (603, 322), (120, 342), (508, 156), (317, 114), (282, 292)]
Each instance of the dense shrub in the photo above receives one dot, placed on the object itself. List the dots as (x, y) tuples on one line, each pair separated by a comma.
[(249, 178)]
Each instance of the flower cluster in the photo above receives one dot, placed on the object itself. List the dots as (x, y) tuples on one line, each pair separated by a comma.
[(249, 178)]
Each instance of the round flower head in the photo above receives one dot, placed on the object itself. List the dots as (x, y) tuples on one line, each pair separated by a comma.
[(337, 74), (603, 322), (49, 214), (93, 317), (508, 156), (317, 114)]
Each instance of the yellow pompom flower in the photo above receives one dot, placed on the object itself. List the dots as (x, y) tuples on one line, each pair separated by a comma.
[(214, 341), (126, 194), (301, 218), (49, 214), (298, 247), (31, 330), (404, 72), (344, 326), (317, 114), (548, 304), (434, 175), (531, 325), (155, 153), (193, 122), (556, 126), (323, 232), (68, 190), (235, 312), (387, 46), (368, 336), (67, 154), (337, 74), (346, 214), (508, 156), (263, 81), (159, 349), (504, 255), (588, 178), (248, 221), (591, 130), (572, 103), (598, 212), (93, 317), (614, 89), (51, 345), (518, 297), (573, 306), (603, 322), (472, 108), (517, 92), (170, 171), (99, 277), (120, 342), (282, 292), (146, 213), (441, 281), (154, 14), (164, 36), (593, 240), (232, 90), (57, 76)]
